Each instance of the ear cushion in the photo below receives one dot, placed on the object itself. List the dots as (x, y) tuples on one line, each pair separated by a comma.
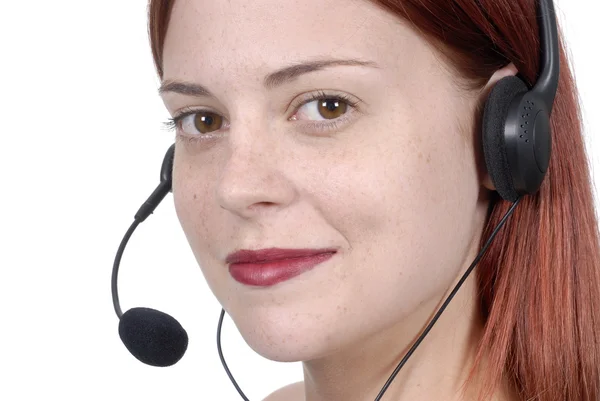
[(494, 147)]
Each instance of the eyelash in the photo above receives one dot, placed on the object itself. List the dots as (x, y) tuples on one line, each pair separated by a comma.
[(173, 123)]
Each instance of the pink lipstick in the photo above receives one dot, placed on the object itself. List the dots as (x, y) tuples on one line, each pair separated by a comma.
[(268, 267)]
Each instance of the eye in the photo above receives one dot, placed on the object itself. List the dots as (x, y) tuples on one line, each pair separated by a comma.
[(331, 110), (324, 107), (201, 122)]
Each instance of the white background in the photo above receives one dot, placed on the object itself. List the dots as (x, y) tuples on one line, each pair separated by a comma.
[(81, 143)]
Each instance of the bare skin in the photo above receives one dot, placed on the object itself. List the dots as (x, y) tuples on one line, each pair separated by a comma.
[(291, 392)]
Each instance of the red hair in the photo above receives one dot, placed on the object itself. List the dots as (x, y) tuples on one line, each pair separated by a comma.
[(539, 281)]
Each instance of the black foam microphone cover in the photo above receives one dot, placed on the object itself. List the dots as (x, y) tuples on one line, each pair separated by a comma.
[(153, 337)]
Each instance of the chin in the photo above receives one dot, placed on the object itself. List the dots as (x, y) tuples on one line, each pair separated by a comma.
[(285, 336)]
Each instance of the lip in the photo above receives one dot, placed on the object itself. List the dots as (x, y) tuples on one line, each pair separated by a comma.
[(267, 267), (263, 255)]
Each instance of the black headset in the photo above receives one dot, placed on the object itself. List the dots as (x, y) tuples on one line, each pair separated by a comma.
[(516, 137)]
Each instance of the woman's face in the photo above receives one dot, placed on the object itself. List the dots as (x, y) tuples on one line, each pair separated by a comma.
[(394, 186)]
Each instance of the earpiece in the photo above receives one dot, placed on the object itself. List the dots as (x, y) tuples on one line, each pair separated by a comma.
[(516, 133)]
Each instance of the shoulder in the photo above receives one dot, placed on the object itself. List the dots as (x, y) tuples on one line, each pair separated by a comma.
[(291, 392)]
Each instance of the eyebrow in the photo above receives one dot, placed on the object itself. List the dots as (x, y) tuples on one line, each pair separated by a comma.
[(271, 81)]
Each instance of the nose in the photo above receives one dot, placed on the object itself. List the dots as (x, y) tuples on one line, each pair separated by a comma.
[(254, 178)]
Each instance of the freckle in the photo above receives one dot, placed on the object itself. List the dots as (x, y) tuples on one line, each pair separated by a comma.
[(428, 159), (420, 155)]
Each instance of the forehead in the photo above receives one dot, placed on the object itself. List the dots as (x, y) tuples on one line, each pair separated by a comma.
[(239, 38)]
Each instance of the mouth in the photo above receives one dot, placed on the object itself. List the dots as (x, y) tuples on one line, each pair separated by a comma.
[(267, 267)]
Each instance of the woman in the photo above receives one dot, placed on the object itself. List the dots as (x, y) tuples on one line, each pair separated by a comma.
[(375, 162)]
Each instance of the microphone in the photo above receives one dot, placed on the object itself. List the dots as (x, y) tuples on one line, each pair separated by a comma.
[(153, 337)]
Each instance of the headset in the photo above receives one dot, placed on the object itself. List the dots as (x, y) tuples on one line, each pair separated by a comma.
[(516, 137)]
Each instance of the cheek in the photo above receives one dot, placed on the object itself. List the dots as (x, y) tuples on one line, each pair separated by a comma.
[(190, 192), (406, 215), (184, 194)]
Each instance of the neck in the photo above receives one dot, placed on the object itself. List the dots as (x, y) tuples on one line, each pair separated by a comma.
[(436, 370)]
